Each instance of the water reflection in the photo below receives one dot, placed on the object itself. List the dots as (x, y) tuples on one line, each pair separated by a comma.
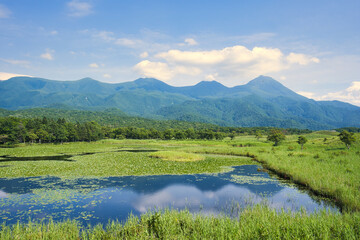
[(3, 194), (98, 200)]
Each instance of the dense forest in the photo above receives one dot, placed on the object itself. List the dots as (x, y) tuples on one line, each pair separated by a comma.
[(41, 130)]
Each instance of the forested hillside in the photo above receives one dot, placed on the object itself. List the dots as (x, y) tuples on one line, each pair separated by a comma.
[(261, 102)]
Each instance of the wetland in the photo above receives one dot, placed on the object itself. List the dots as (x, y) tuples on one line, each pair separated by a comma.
[(100, 200), (138, 183)]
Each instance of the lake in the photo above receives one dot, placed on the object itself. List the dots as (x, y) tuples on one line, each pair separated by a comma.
[(98, 200)]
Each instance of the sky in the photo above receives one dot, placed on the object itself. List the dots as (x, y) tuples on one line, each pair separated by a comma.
[(312, 47)]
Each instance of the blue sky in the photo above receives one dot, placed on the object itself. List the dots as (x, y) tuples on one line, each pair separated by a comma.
[(311, 47)]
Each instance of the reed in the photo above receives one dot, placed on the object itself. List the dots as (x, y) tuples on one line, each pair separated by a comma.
[(254, 223)]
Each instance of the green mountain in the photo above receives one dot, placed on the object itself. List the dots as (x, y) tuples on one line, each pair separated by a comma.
[(261, 102)]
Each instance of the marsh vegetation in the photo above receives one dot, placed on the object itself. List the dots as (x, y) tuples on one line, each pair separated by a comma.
[(326, 168)]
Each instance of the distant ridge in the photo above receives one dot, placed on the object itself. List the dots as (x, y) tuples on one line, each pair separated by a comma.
[(261, 102)]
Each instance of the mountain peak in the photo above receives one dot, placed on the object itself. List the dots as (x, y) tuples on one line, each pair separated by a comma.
[(87, 79), (209, 84), (142, 81), (266, 83), (260, 80), (150, 84), (267, 86)]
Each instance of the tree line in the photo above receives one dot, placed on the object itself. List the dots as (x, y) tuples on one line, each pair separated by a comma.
[(47, 130), (277, 136), (16, 130)]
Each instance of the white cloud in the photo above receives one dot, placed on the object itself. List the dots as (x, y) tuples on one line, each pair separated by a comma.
[(355, 87), (157, 70), (104, 35), (6, 76), (301, 59), (188, 57), (191, 42), (110, 37), (107, 75), (54, 32), (211, 77), (48, 54), (144, 55), (140, 43), (229, 55), (93, 65), (23, 63), (128, 42), (79, 8), (307, 94), (228, 64), (187, 70), (4, 12), (162, 71), (350, 94)]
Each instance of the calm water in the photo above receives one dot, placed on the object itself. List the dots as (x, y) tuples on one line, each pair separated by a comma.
[(103, 199)]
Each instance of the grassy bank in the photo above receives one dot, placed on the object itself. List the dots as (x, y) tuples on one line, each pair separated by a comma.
[(326, 167), (255, 223)]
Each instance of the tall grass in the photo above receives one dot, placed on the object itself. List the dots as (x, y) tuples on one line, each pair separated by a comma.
[(256, 223)]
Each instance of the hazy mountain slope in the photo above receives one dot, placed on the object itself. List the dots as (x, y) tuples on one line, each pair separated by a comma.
[(202, 89), (134, 97), (141, 102), (261, 102), (85, 85), (247, 111)]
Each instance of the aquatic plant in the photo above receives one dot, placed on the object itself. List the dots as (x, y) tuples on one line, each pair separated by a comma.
[(177, 156)]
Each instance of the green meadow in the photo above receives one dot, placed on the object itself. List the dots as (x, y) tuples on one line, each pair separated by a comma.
[(325, 166), (115, 158)]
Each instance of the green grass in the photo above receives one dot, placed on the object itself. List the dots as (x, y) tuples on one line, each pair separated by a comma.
[(177, 156), (108, 161), (256, 223)]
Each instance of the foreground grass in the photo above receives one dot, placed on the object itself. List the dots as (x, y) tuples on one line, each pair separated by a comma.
[(255, 223)]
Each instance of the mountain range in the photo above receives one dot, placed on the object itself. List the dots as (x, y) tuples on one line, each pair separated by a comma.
[(261, 102)]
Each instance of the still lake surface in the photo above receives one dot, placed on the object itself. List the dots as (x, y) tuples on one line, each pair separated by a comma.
[(98, 200)]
